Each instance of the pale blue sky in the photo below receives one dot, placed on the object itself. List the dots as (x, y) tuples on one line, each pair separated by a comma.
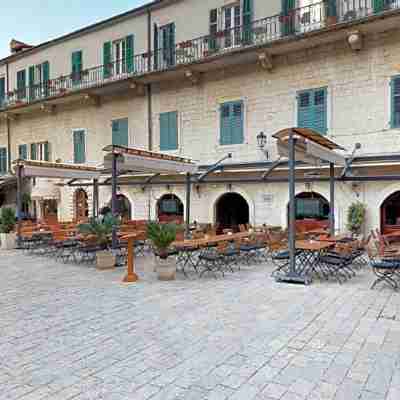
[(38, 21)]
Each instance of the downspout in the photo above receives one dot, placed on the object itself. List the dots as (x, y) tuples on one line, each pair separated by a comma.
[(8, 125), (149, 88)]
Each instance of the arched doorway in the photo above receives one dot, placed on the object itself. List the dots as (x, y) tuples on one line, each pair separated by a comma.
[(390, 213), (81, 205), (170, 208), (124, 208), (312, 211), (231, 210)]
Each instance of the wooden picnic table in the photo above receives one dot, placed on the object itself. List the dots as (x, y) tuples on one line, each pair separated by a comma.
[(334, 239), (312, 245), (215, 239)]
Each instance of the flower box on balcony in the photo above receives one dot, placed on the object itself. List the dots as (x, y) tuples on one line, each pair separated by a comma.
[(220, 34), (145, 55), (185, 45), (62, 91)]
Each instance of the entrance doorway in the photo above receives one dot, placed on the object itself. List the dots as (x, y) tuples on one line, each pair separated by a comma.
[(124, 208), (232, 210), (390, 213), (49, 210), (170, 209), (312, 211), (81, 205)]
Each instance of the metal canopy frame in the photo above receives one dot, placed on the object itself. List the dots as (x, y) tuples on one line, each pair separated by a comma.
[(312, 147), (45, 169), (122, 159)]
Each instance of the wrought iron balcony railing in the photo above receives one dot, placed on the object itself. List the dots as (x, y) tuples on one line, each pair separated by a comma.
[(295, 22)]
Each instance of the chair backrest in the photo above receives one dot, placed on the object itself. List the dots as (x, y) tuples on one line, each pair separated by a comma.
[(222, 247)]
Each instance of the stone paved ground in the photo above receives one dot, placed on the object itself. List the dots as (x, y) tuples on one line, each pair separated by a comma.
[(70, 332)]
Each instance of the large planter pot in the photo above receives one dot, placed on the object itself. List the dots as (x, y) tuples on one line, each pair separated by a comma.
[(8, 241), (166, 269), (105, 260)]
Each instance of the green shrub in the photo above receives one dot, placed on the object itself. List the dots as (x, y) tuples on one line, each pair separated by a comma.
[(161, 235), (100, 228), (7, 220), (355, 217)]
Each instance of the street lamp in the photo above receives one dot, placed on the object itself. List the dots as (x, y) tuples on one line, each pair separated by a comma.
[(261, 140)]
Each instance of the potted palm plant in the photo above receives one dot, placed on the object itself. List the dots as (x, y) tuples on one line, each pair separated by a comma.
[(162, 236), (100, 230), (7, 224)]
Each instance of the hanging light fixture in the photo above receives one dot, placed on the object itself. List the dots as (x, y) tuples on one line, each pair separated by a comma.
[(261, 140)]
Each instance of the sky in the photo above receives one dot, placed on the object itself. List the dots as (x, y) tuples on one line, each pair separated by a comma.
[(34, 22)]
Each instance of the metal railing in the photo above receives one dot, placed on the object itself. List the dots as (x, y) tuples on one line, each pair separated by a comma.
[(295, 22)]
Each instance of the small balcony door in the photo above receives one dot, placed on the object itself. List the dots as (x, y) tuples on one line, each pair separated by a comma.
[(120, 57), (231, 22)]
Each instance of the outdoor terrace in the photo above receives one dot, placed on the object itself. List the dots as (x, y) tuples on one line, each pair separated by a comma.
[(208, 50)]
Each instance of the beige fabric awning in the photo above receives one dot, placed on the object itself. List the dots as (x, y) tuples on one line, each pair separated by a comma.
[(143, 161)]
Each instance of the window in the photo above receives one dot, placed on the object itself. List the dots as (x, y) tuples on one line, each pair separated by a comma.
[(40, 151), (76, 61), (167, 44), (169, 131), (3, 160), (38, 79), (232, 19), (395, 102), (79, 146), (312, 110), (2, 90), (118, 56), (120, 132), (21, 84), (231, 129), (23, 151)]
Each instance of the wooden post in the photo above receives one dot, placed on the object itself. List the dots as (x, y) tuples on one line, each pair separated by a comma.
[(131, 276)]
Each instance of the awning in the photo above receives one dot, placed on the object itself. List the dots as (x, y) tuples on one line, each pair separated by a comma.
[(143, 161), (311, 147), (45, 169)]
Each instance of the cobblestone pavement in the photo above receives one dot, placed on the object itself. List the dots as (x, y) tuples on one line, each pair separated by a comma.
[(71, 332)]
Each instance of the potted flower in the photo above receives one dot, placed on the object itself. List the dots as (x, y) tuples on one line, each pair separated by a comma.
[(356, 217), (162, 236), (7, 224), (100, 230)]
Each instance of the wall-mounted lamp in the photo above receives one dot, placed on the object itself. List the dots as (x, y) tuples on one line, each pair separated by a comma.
[(197, 188), (262, 142), (229, 187), (356, 188), (168, 188)]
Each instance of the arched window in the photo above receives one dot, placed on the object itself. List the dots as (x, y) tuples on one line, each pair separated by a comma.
[(124, 207), (390, 213), (231, 210)]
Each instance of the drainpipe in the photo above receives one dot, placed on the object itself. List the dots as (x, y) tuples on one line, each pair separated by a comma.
[(149, 88), (8, 126)]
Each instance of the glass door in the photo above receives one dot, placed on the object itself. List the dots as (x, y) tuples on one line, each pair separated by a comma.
[(232, 17)]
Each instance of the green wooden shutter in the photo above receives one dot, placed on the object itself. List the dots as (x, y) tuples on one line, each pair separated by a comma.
[(320, 111), (288, 18), (156, 45), (312, 110), (21, 84), (2, 91), (76, 60), (120, 132), (3, 160), (23, 151), (332, 8), (225, 128), (46, 150), (237, 122), (33, 151), (212, 42), (247, 21), (107, 62), (130, 58), (379, 5), (168, 44), (395, 102), (46, 78), (79, 147), (173, 130), (31, 78), (164, 131)]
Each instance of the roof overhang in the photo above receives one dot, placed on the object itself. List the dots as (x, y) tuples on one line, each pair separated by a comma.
[(310, 146), (143, 161), (45, 169)]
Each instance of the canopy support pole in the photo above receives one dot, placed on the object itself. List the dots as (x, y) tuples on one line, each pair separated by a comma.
[(95, 212), (114, 177), (332, 198), (19, 204), (293, 276), (188, 195)]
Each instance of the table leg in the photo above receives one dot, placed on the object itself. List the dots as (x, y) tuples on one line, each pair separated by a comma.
[(131, 275)]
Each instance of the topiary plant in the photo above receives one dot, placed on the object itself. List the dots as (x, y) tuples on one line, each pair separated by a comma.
[(355, 217), (161, 235), (7, 220)]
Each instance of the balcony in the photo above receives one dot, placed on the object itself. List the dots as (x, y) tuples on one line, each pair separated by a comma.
[(147, 67)]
